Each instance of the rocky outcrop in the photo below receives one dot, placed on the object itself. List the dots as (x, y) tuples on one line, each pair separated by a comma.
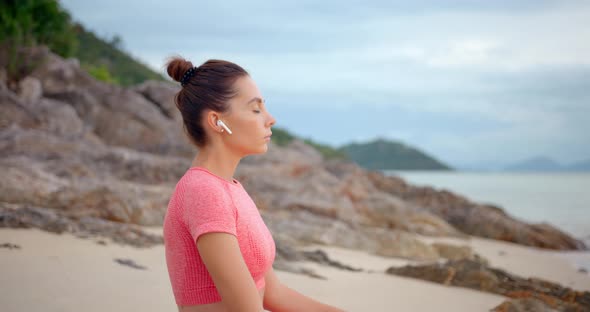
[(119, 116), (531, 304), (453, 252), (24, 216), (66, 183), (476, 219), (476, 275)]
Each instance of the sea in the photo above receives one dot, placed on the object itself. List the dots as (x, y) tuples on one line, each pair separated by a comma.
[(561, 199)]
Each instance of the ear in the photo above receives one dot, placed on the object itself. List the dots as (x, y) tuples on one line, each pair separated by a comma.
[(211, 118)]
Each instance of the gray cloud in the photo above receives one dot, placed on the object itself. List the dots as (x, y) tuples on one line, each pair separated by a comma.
[(467, 81)]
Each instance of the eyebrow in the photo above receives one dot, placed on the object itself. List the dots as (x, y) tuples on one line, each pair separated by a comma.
[(255, 99)]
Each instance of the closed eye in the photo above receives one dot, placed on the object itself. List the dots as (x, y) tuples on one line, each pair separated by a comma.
[(257, 111)]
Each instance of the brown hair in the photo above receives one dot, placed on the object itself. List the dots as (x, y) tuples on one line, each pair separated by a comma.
[(210, 87)]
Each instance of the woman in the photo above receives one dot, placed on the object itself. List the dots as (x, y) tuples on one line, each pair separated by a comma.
[(219, 252)]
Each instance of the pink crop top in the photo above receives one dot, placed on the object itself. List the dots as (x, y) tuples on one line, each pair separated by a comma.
[(203, 202)]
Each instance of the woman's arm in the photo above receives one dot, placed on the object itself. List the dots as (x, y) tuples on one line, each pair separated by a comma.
[(280, 298), (222, 257)]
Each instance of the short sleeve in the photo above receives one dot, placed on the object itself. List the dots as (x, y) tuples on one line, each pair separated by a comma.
[(209, 208)]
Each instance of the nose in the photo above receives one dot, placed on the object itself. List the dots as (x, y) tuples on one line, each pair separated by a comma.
[(271, 120)]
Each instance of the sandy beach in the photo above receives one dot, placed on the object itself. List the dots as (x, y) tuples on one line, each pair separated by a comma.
[(53, 272)]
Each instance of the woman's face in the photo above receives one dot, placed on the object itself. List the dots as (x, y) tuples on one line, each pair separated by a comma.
[(248, 120)]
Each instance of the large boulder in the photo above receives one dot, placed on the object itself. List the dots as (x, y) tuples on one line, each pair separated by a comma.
[(479, 276)]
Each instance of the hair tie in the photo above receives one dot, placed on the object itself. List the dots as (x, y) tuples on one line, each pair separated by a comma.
[(185, 78)]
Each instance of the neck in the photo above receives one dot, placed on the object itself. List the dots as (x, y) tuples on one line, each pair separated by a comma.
[(218, 160)]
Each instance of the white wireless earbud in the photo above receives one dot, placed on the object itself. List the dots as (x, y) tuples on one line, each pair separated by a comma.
[(222, 124)]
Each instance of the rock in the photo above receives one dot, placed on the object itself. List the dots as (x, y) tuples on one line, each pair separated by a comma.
[(306, 228), (30, 90), (3, 79), (119, 116), (58, 75), (426, 223), (296, 269), (18, 216), (321, 257), (9, 246), (536, 304), (476, 275), (130, 263), (476, 219), (55, 117), (401, 244), (453, 252), (109, 199), (161, 94), (298, 158), (15, 113), (86, 158)]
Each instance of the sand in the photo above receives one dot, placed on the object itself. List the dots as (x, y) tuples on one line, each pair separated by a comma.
[(53, 272)]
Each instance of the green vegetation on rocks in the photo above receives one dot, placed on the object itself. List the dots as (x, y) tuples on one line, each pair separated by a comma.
[(29, 23)]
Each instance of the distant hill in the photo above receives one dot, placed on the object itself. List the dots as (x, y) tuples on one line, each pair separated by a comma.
[(546, 164), (580, 166), (381, 154), (539, 163)]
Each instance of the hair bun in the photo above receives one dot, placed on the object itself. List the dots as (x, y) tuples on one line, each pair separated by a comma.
[(177, 66)]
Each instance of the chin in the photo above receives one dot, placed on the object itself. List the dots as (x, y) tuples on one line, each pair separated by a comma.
[(264, 149)]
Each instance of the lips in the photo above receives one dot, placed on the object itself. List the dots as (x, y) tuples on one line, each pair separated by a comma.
[(268, 136)]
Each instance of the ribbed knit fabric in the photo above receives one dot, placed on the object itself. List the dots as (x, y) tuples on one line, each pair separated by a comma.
[(203, 202)]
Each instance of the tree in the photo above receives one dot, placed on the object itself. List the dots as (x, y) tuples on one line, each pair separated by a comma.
[(26, 23), (117, 42)]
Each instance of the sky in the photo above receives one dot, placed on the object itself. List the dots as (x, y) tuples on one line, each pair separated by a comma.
[(475, 84)]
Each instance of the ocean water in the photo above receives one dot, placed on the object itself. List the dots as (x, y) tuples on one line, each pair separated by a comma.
[(561, 199)]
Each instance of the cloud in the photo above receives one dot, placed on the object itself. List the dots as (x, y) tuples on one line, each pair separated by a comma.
[(464, 80)]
